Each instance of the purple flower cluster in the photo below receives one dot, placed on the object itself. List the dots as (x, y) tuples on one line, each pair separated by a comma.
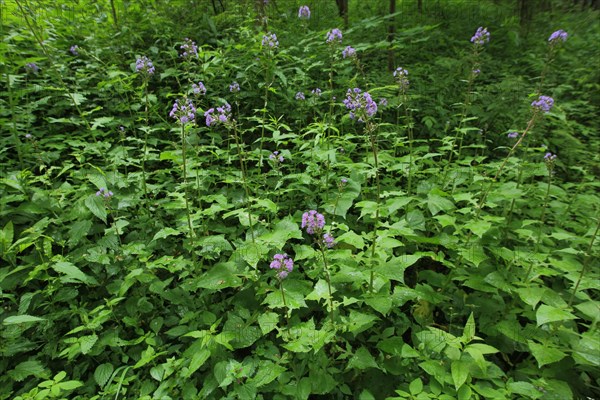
[(234, 87), (481, 37), (276, 157), (328, 240), (401, 76), (476, 71), (73, 50), (189, 48), (183, 111), (513, 135), (349, 52), (558, 36), (300, 96), (549, 157), (313, 222), (383, 102), (304, 12), (199, 89), (223, 115), (270, 40), (283, 264), (316, 92), (144, 65), (360, 104), (543, 103), (32, 67), (107, 194), (334, 36)]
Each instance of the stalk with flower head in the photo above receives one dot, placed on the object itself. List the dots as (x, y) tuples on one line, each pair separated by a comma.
[(284, 265), (363, 108), (184, 112), (145, 68), (314, 223), (401, 77)]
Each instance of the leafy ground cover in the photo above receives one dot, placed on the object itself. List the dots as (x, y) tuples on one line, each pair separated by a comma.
[(249, 204)]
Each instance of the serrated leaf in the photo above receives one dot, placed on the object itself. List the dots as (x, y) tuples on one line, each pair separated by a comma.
[(268, 321), (26, 369), (87, 342), (198, 360), (103, 373), (165, 232), (220, 276), (361, 360), (416, 386), (545, 314), (479, 228), (437, 203), (320, 291), (267, 373), (21, 319), (469, 330), (544, 354), (460, 372), (97, 206), (72, 272)]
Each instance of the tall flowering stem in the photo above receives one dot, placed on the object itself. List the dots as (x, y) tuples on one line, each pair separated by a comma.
[(401, 77), (185, 112), (479, 39), (314, 223), (146, 69), (363, 108), (284, 265)]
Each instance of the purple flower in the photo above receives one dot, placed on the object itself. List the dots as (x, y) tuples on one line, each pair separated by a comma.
[(513, 135), (401, 76), (144, 65), (328, 240), (549, 157), (360, 104), (383, 102), (476, 71), (28, 136), (73, 50), (481, 37), (32, 67), (183, 111), (107, 194), (223, 115), (189, 48), (557, 36), (344, 181), (199, 89), (334, 36), (283, 264), (348, 52), (316, 92), (234, 87), (276, 157), (313, 222), (543, 103), (270, 40), (300, 96), (304, 12)]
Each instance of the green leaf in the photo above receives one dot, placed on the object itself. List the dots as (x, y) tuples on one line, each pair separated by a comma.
[(165, 232), (547, 314), (469, 330), (267, 373), (352, 239), (78, 231), (198, 360), (26, 369), (437, 203), (220, 276), (73, 273), (544, 354), (479, 227), (361, 360), (416, 386), (524, 389), (320, 291), (87, 342), (268, 321), (359, 322), (460, 372), (6, 237), (103, 373), (97, 206), (21, 319)]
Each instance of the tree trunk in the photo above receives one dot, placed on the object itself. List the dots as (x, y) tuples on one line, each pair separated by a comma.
[(391, 35), (261, 15), (343, 11)]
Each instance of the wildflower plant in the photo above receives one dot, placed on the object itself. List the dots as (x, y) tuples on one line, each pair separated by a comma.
[(304, 12)]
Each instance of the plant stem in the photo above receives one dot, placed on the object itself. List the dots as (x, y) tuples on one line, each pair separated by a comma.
[(373, 138), (145, 142), (328, 279), (542, 220), (287, 310), (585, 263), (244, 178), (185, 193)]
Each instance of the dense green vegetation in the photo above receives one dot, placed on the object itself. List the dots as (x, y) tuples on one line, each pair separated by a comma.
[(220, 199)]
